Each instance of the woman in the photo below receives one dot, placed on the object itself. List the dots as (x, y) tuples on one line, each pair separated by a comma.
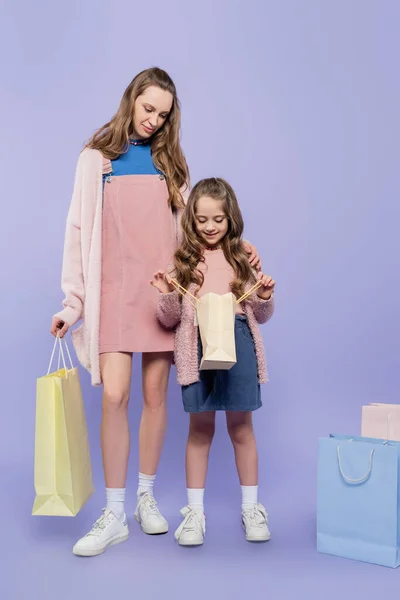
[(123, 223)]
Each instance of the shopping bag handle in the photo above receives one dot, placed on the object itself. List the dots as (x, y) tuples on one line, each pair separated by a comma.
[(184, 292), (59, 341), (253, 289), (349, 479)]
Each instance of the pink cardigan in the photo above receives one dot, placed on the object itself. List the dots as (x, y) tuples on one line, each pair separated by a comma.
[(81, 271), (172, 312)]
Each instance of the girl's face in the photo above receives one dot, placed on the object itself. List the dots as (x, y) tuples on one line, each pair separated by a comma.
[(151, 110), (211, 220)]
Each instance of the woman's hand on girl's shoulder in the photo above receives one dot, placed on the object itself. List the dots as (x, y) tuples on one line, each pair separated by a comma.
[(267, 286), (162, 282), (254, 258)]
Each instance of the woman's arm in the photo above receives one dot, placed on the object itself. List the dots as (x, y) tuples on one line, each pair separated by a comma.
[(72, 282), (254, 258)]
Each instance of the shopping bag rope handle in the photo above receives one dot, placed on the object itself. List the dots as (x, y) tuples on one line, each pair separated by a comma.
[(249, 292), (349, 479), (186, 292), (61, 353)]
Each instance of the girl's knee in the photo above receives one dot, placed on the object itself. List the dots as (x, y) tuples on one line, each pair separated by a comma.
[(240, 432), (201, 430)]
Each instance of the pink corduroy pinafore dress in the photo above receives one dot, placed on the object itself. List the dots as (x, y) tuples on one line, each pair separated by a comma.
[(139, 238)]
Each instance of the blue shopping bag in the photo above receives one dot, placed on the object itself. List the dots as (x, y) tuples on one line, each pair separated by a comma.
[(358, 499)]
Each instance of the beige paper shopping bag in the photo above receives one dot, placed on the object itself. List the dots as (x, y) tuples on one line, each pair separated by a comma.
[(381, 421), (216, 320), (63, 473)]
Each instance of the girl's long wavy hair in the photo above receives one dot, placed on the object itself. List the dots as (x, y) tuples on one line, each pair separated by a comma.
[(191, 251), (112, 139)]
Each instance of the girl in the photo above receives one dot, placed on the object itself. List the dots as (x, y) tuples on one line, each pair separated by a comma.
[(124, 221), (211, 259)]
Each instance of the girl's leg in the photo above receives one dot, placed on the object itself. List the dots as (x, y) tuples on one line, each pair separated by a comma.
[(155, 373), (241, 432), (201, 432), (111, 528), (254, 516)]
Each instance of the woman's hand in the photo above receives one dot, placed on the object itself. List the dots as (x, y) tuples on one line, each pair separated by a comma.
[(58, 327), (267, 286), (254, 258), (162, 282)]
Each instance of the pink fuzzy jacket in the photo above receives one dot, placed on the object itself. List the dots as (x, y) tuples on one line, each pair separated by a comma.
[(81, 272), (172, 312)]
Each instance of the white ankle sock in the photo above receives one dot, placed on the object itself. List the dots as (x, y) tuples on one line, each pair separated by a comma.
[(249, 496), (196, 499), (146, 484), (116, 501)]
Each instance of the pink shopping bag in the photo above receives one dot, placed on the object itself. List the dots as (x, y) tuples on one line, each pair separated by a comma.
[(381, 421)]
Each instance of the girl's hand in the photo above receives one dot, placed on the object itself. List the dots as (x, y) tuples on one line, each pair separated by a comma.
[(267, 286), (254, 258), (162, 282), (58, 327)]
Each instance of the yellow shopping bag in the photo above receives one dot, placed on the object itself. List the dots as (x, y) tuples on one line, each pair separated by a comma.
[(63, 472), (215, 316)]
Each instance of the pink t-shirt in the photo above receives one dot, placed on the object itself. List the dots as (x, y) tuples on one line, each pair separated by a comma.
[(218, 275)]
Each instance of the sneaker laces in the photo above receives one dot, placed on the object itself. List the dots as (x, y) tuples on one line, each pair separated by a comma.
[(100, 525), (191, 522), (256, 516), (148, 504)]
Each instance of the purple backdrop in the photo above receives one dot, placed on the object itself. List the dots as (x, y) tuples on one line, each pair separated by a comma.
[(296, 104)]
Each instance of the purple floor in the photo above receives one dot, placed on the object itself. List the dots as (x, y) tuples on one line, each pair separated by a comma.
[(38, 562)]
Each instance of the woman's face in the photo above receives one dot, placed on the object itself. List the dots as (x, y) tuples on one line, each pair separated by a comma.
[(151, 110), (211, 220)]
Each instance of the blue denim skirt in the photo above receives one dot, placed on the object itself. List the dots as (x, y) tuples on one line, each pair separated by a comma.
[(237, 389)]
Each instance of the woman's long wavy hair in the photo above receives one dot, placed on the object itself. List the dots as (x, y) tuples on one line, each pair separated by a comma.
[(112, 139), (191, 251)]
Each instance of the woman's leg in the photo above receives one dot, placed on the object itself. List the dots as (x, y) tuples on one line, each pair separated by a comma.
[(155, 369), (116, 371), (111, 528)]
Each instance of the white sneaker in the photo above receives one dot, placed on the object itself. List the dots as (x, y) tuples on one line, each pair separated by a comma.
[(107, 531), (148, 515), (192, 530), (255, 524)]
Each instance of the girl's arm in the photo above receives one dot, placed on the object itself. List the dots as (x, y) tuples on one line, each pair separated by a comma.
[(262, 309), (169, 307), (262, 300), (169, 310)]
